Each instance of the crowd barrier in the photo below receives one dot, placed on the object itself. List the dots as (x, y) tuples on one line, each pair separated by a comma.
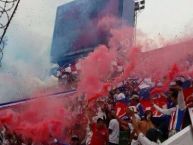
[(16, 103), (184, 137)]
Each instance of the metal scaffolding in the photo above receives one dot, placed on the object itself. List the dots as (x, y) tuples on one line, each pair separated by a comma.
[(7, 10)]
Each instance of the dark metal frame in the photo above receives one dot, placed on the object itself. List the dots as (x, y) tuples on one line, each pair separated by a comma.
[(7, 10)]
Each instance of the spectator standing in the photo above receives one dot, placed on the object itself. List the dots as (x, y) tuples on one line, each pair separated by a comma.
[(176, 113), (114, 129), (100, 133)]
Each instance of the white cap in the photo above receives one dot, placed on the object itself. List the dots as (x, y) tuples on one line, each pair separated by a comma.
[(180, 78), (120, 96), (68, 69), (172, 83)]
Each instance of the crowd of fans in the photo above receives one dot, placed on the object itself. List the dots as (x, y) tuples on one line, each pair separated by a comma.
[(140, 123), (102, 122), (120, 118), (67, 77), (7, 137)]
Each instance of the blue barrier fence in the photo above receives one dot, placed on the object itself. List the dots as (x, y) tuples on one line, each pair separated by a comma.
[(22, 101)]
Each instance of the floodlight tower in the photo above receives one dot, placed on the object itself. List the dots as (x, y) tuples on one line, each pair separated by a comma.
[(130, 11), (139, 6)]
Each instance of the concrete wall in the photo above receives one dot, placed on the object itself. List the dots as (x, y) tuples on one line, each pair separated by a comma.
[(184, 137)]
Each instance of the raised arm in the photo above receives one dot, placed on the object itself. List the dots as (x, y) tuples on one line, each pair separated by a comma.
[(181, 101), (164, 111)]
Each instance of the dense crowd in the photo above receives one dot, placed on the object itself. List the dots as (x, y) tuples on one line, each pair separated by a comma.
[(121, 117), (142, 126)]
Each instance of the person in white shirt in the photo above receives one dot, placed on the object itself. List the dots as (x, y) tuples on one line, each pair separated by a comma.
[(113, 129), (143, 140)]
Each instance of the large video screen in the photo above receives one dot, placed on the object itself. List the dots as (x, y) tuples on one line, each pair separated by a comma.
[(75, 34)]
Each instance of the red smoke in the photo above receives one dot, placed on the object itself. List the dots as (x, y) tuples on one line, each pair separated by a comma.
[(96, 68), (157, 64), (47, 118), (40, 120), (95, 71)]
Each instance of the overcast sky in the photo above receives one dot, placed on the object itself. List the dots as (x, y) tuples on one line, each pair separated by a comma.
[(160, 16), (169, 18), (32, 27)]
